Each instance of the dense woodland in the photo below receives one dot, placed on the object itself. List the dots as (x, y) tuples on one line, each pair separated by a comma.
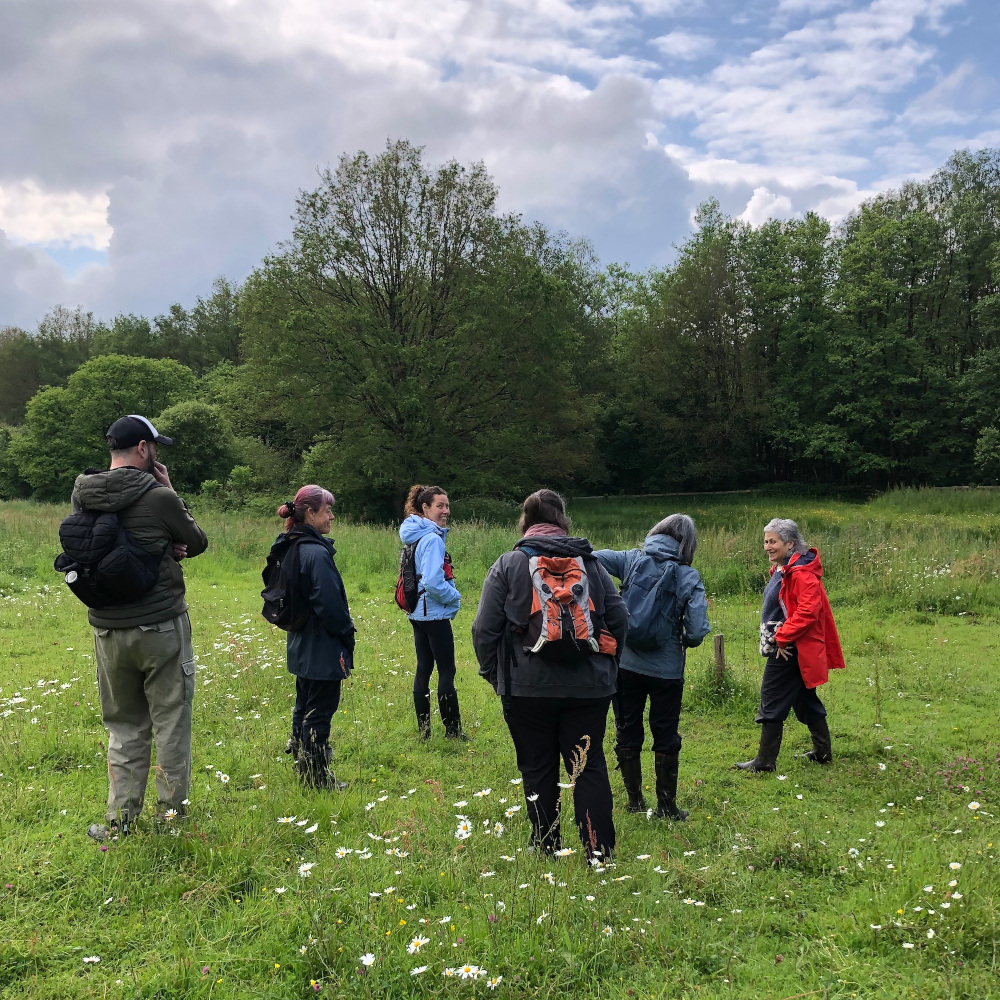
[(407, 331)]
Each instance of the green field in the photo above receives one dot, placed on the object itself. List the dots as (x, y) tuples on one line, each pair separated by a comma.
[(870, 878)]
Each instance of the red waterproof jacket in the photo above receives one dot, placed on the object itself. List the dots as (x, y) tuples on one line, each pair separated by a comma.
[(808, 620)]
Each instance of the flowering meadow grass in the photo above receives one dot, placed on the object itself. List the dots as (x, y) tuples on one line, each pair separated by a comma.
[(875, 877)]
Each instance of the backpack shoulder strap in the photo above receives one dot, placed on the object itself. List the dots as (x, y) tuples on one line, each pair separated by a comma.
[(595, 582)]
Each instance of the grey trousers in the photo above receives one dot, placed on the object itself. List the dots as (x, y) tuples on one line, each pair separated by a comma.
[(145, 678)]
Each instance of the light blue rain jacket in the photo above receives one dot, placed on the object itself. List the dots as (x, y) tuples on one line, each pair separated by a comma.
[(439, 598), (683, 604)]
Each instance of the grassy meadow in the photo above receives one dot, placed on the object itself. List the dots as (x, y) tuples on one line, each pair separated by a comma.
[(875, 877)]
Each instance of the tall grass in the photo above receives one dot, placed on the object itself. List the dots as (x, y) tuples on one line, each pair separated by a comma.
[(771, 889)]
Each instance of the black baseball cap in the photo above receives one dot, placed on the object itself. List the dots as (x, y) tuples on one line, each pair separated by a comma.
[(127, 432)]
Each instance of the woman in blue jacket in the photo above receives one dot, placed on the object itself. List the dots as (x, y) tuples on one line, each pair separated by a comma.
[(438, 601), (321, 654), (667, 615)]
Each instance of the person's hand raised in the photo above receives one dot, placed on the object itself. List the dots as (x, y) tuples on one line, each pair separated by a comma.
[(159, 472)]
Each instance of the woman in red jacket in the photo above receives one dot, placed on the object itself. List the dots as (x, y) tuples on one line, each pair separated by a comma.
[(799, 638)]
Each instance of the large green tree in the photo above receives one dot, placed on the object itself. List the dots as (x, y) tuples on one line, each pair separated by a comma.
[(64, 428), (62, 342), (409, 332)]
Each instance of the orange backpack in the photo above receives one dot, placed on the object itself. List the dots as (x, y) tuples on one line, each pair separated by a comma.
[(565, 625)]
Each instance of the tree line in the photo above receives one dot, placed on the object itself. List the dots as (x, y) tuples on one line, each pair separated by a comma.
[(407, 331)]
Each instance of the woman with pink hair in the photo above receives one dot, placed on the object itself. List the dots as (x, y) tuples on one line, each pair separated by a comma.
[(320, 653)]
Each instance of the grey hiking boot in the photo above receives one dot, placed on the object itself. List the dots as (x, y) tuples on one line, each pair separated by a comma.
[(108, 831)]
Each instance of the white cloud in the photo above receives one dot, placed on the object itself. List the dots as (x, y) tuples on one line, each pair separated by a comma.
[(68, 218), (809, 6), (663, 8), (683, 45), (192, 124), (955, 100), (764, 205)]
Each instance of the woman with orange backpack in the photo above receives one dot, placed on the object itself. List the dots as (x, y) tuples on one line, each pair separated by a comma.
[(436, 601), (547, 635)]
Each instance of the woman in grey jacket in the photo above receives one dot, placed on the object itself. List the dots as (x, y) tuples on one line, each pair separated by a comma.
[(555, 685), (667, 615), (321, 653)]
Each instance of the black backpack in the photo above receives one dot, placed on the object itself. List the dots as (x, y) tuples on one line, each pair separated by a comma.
[(285, 604), (101, 563), (408, 581)]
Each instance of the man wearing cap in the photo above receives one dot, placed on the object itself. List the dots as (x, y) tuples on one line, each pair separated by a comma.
[(145, 662)]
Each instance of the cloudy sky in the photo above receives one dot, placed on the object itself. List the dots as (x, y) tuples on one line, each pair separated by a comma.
[(147, 146)]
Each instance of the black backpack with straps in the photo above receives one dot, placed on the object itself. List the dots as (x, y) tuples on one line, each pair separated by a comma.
[(101, 562), (285, 603)]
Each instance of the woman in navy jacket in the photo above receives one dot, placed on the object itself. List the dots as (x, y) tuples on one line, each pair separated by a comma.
[(321, 654), (668, 615), (438, 601)]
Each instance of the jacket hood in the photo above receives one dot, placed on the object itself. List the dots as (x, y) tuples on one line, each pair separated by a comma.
[(112, 490), (416, 527), (555, 545), (808, 562), (661, 547)]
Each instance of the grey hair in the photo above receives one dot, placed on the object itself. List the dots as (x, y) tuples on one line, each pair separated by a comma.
[(681, 528), (788, 531)]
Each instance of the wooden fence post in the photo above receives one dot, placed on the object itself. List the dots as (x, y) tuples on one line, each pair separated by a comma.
[(719, 644)]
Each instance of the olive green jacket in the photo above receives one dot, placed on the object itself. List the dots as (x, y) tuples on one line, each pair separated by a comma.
[(157, 519)]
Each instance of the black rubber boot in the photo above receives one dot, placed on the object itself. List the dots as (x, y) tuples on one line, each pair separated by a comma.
[(451, 716), (422, 706), (666, 787), (822, 751), (767, 753), (630, 765), (315, 770)]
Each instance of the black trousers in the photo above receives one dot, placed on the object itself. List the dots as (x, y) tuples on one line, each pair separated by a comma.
[(665, 696), (315, 703), (782, 690), (435, 643), (543, 729)]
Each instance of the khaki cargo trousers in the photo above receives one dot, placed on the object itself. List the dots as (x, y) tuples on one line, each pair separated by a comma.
[(145, 677)]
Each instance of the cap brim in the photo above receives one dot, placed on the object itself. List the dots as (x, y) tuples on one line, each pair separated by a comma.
[(160, 439)]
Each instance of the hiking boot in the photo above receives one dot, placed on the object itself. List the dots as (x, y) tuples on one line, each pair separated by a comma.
[(105, 831), (450, 716), (422, 706), (630, 765), (767, 753), (822, 752), (667, 765)]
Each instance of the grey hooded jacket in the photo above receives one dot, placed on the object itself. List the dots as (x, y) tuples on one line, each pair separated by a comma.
[(504, 610), (157, 519)]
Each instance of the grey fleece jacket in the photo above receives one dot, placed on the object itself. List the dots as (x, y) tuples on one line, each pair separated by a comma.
[(157, 519), (504, 610)]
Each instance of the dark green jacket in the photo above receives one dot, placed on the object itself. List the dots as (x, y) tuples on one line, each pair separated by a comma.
[(157, 519)]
